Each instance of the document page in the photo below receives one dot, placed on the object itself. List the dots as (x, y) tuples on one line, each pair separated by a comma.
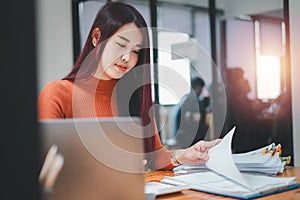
[(261, 183), (208, 181), (252, 159), (221, 160)]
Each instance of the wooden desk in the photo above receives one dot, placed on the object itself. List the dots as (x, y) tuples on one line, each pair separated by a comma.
[(192, 194)]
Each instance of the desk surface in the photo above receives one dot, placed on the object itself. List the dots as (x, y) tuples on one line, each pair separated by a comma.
[(191, 194)]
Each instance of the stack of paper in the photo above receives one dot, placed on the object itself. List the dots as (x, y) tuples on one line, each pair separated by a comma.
[(254, 162), (224, 178), (258, 161)]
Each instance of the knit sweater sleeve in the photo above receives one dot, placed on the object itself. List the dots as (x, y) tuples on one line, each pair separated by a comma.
[(162, 155), (55, 100)]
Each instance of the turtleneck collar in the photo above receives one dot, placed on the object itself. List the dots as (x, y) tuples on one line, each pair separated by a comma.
[(98, 85)]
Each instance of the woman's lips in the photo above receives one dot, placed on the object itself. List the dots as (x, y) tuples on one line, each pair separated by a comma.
[(121, 67)]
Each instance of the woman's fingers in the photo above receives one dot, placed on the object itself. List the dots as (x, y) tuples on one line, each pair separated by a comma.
[(202, 156), (212, 143), (204, 146), (198, 153)]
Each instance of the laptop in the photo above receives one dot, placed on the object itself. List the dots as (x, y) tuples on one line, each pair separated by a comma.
[(95, 158)]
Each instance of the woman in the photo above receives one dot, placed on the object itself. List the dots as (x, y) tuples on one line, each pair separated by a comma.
[(116, 55)]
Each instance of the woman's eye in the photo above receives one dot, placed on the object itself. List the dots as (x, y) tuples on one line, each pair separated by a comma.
[(136, 51), (121, 45)]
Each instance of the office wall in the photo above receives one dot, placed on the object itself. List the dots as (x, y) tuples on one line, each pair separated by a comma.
[(54, 39), (294, 9)]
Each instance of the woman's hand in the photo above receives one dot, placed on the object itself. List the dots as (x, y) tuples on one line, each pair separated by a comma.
[(196, 154)]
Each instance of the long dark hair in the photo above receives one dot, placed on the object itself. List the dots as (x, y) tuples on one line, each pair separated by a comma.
[(109, 19)]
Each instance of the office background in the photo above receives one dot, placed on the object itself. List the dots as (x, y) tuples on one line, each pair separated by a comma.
[(41, 31), (55, 40)]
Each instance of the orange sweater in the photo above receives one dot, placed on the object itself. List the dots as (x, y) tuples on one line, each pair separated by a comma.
[(88, 98)]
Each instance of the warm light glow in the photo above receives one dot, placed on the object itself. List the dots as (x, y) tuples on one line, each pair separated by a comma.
[(268, 77)]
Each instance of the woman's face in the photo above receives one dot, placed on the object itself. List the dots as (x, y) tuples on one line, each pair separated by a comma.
[(121, 53)]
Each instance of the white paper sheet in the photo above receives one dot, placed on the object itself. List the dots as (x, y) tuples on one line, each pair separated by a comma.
[(221, 161)]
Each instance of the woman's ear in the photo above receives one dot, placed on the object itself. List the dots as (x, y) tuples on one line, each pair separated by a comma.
[(96, 35)]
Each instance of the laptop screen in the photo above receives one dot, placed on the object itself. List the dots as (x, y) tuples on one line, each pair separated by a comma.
[(102, 157)]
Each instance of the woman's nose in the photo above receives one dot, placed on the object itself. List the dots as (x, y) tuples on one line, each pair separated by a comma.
[(125, 57)]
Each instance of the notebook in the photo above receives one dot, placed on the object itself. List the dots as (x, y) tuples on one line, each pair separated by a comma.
[(96, 158)]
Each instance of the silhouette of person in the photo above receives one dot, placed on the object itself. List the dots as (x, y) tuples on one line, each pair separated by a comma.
[(242, 112), (191, 125)]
